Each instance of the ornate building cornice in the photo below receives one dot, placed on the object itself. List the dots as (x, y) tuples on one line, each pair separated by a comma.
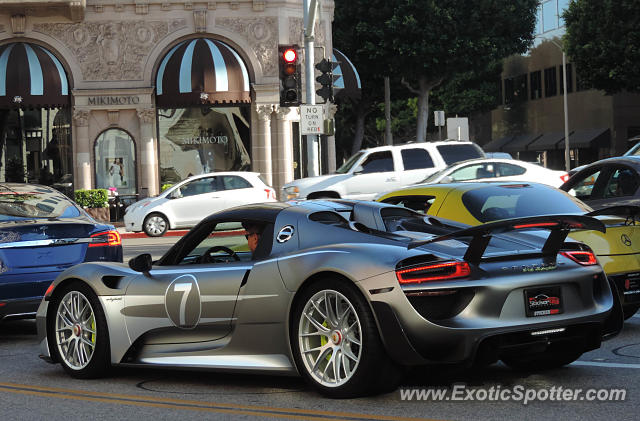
[(111, 50)]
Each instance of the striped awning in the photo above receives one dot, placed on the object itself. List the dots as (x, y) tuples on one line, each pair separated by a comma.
[(346, 82), (201, 71), (31, 76)]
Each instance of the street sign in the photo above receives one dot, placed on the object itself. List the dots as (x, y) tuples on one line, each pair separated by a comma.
[(458, 128), (311, 119), (438, 118)]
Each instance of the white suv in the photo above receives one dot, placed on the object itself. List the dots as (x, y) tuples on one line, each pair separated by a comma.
[(385, 168)]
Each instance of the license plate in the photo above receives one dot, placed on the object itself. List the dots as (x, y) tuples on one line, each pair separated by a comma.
[(631, 288), (545, 301)]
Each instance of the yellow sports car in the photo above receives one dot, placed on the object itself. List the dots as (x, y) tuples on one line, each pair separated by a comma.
[(618, 249)]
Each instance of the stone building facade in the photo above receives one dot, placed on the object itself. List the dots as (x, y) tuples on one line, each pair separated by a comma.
[(131, 94)]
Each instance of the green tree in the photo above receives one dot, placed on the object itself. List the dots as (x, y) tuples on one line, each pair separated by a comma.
[(356, 32), (603, 40), (432, 40), (470, 92)]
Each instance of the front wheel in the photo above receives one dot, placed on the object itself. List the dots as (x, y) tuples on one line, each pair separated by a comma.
[(336, 343), (155, 225), (78, 332)]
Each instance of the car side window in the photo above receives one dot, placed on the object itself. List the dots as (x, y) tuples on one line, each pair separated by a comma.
[(472, 172), (623, 182), (378, 162), (509, 170), (199, 186), (223, 243), (584, 187), (233, 182), (416, 158)]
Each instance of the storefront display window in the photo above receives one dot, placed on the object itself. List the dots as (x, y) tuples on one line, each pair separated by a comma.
[(115, 161), (35, 147), (201, 139)]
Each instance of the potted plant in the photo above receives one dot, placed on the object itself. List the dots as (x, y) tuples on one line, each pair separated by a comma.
[(95, 202)]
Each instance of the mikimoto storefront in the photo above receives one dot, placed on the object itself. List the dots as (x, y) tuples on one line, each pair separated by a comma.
[(35, 117), (203, 110)]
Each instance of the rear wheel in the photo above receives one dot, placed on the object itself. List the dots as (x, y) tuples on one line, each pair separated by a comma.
[(543, 361), (78, 332), (336, 343), (155, 225)]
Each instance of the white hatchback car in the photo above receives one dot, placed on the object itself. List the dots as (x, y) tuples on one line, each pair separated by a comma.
[(497, 169), (189, 201)]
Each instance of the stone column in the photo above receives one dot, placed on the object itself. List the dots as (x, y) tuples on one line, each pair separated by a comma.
[(148, 153), (283, 151), (331, 143), (261, 146), (83, 150)]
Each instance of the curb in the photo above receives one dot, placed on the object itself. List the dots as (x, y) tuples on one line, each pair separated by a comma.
[(176, 233)]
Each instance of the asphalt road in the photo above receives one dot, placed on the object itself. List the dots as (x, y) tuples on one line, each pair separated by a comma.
[(31, 389)]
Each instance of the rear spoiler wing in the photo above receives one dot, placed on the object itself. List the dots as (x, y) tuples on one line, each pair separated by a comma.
[(559, 225), (626, 211)]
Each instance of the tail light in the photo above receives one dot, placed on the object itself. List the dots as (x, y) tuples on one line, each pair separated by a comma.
[(106, 239), (271, 194), (564, 177), (585, 258), (433, 272)]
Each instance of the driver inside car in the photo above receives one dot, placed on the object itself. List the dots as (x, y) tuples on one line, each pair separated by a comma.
[(254, 232)]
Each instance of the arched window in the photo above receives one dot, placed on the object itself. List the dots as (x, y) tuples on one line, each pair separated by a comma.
[(115, 161)]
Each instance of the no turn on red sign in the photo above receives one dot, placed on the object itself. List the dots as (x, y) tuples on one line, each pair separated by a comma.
[(311, 119)]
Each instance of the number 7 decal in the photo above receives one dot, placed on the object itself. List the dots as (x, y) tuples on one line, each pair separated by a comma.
[(182, 302)]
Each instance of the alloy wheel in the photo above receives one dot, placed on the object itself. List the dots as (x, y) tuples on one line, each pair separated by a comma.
[(75, 330), (330, 338), (155, 225)]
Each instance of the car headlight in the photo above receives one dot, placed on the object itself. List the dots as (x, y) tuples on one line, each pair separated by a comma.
[(291, 192)]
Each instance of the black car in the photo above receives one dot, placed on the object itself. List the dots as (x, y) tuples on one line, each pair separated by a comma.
[(42, 233), (608, 182)]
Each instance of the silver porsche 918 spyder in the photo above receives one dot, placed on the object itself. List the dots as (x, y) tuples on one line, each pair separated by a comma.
[(345, 293)]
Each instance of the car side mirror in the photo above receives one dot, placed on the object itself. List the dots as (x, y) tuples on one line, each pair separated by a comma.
[(358, 170), (446, 179), (176, 194), (141, 263)]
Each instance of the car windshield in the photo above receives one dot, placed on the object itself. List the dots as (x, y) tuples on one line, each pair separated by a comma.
[(433, 177), (634, 151), (347, 165), (19, 202), (519, 200)]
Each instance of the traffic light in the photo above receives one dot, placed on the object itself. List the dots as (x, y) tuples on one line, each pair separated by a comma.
[(325, 80), (290, 76)]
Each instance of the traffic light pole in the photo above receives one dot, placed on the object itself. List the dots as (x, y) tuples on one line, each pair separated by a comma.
[(310, 8)]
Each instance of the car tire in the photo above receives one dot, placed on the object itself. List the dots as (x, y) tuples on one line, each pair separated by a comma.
[(630, 310), (77, 332), (155, 225), (543, 361), (348, 358)]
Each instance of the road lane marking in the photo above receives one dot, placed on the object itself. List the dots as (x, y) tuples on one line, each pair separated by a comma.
[(603, 364), (168, 403)]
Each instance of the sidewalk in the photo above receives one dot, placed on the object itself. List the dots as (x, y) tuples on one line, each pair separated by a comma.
[(124, 234)]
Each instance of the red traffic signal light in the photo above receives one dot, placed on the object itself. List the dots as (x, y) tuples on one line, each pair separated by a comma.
[(290, 55), (290, 76)]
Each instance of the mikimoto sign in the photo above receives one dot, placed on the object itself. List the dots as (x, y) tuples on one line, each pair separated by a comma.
[(311, 119)]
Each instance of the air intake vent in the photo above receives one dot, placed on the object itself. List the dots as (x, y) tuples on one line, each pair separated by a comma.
[(112, 282)]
